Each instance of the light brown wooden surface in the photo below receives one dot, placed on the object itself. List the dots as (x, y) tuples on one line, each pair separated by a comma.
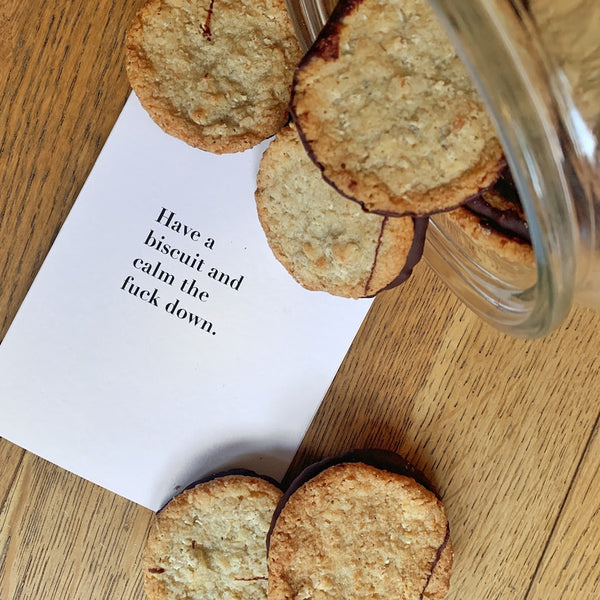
[(506, 429)]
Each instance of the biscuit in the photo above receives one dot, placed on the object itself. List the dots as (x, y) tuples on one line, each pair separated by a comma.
[(495, 221), (389, 113), (217, 75), (325, 241), (210, 541), (354, 530)]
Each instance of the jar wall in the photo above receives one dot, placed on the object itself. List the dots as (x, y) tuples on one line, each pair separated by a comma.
[(569, 32), (542, 91)]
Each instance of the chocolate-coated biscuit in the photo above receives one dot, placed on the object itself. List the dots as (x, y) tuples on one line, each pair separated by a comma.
[(327, 242), (495, 222), (388, 111), (354, 530)]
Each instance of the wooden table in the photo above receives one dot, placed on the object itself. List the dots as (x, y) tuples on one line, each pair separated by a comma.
[(506, 429)]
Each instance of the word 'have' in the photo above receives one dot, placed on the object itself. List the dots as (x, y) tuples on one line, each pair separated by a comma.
[(167, 218)]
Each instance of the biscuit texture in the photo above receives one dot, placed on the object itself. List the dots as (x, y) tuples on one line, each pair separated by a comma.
[(489, 239), (216, 74), (500, 227), (356, 531), (210, 541), (325, 241), (389, 112)]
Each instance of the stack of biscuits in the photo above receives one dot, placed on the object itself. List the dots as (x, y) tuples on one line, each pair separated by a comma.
[(363, 525), (376, 128)]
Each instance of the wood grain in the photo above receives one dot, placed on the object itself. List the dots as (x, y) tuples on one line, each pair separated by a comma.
[(506, 429), (65, 538), (62, 87), (569, 564), (499, 425)]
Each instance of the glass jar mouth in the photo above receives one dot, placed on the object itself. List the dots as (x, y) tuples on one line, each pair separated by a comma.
[(520, 97)]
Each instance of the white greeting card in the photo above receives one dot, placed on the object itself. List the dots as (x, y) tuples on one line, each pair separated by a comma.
[(161, 340)]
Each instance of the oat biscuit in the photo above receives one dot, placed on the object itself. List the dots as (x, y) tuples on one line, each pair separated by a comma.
[(358, 531), (389, 113), (496, 223), (215, 74), (325, 241), (210, 541)]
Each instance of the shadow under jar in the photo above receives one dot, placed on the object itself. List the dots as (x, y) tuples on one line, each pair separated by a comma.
[(536, 64)]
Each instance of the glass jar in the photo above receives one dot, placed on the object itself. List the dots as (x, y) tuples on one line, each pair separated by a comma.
[(536, 64)]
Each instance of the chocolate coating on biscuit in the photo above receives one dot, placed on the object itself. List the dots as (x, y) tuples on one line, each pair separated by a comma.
[(506, 222), (438, 557), (326, 45), (226, 473), (414, 254), (509, 222)]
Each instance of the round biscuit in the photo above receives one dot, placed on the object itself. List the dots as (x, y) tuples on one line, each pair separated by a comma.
[(488, 239), (357, 531), (216, 75), (389, 112), (210, 541)]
